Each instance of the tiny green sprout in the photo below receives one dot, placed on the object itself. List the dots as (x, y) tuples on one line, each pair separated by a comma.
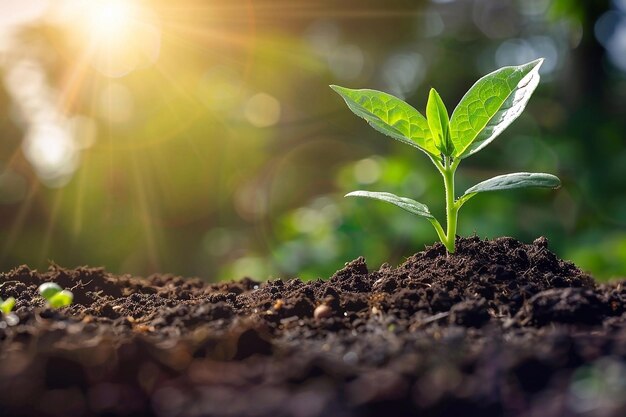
[(48, 289), (488, 108), (6, 306), (55, 295), (61, 299)]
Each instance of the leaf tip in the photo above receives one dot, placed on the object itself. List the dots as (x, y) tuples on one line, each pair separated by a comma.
[(537, 63), (555, 182), (339, 89), (434, 93)]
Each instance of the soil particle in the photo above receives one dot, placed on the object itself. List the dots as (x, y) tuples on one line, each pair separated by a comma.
[(470, 313), (500, 329), (322, 312), (565, 305)]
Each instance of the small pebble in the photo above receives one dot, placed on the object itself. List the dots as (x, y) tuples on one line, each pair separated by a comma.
[(351, 358), (322, 311), (12, 319)]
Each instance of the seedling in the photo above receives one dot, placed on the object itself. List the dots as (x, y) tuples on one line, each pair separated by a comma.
[(6, 306), (488, 108), (55, 295)]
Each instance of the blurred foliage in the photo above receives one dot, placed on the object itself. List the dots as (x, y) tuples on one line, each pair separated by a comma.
[(219, 150)]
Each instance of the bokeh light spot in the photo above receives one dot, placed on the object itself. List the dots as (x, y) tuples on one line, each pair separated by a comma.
[(262, 110), (367, 171), (323, 35), (404, 72), (610, 30), (51, 151), (346, 61), (534, 7), (518, 51)]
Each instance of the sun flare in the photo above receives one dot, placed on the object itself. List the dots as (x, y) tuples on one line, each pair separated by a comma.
[(109, 21), (120, 35)]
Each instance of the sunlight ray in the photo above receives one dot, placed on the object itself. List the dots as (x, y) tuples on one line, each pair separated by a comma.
[(81, 184), (20, 218), (146, 215), (53, 216), (74, 81)]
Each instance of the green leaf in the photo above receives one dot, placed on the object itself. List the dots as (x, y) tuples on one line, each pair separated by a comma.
[(7, 305), (438, 121), (390, 116), (407, 204), (491, 105), (61, 299), (512, 181), (48, 289)]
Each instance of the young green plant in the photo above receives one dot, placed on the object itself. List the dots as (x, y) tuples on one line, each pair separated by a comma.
[(488, 108), (6, 306), (55, 296)]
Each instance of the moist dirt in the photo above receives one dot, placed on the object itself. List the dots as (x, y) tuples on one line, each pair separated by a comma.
[(500, 328)]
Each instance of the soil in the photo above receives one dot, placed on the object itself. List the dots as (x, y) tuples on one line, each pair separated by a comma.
[(500, 328)]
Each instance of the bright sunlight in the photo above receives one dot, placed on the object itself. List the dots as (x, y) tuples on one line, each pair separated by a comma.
[(109, 21), (122, 35)]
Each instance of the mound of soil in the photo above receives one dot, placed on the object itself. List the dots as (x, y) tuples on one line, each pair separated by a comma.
[(500, 328)]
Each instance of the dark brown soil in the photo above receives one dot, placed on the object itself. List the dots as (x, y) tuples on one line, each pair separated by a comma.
[(500, 328)]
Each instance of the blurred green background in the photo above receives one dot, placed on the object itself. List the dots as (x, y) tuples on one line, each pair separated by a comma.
[(201, 138)]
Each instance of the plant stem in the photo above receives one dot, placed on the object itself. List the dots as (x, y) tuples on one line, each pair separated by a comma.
[(451, 208)]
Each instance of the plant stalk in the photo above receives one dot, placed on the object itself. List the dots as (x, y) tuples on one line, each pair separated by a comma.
[(452, 209)]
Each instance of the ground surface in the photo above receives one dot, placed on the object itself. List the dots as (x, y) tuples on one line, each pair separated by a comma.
[(499, 329)]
